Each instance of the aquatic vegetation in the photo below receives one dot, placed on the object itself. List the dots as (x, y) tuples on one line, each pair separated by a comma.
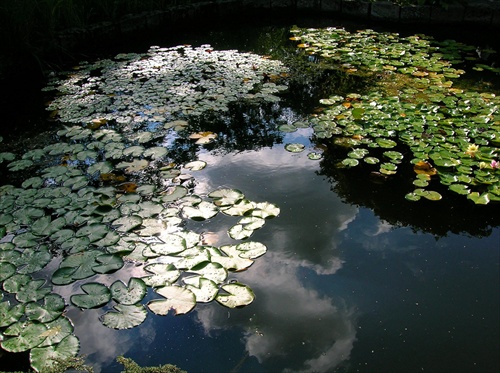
[(414, 114), (107, 195)]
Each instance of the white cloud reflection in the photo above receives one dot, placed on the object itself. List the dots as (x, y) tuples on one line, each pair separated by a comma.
[(289, 321)]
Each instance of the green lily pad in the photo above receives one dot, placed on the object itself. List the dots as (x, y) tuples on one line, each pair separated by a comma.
[(16, 282), (314, 156), (45, 226), (129, 294), (76, 267), (9, 315), (53, 307), (178, 299), (96, 295), (33, 291), (127, 223), (93, 232), (27, 335), (6, 270), (251, 250), (265, 210), (350, 162), (108, 263), (239, 295), (46, 357), (57, 330), (125, 316)]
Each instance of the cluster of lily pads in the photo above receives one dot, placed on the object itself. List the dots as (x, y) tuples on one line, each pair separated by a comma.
[(107, 193), (414, 112), (163, 83)]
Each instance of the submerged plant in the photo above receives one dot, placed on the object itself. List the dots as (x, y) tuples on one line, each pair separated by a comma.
[(414, 107)]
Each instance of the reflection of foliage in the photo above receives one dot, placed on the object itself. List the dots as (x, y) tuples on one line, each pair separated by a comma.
[(379, 191), (132, 367), (452, 131)]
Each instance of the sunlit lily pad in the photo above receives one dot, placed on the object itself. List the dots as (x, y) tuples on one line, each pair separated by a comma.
[(129, 294), (295, 147), (245, 227), (202, 211), (238, 295), (163, 274), (125, 316), (203, 288), (212, 271), (178, 299)]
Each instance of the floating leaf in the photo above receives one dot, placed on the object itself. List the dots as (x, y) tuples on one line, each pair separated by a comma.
[(47, 357), (203, 288), (239, 295), (9, 315), (203, 137), (178, 299), (53, 307), (163, 274), (129, 294), (226, 197), (96, 295), (125, 316), (195, 165), (134, 166), (202, 211), (33, 291), (27, 336), (265, 210), (127, 223), (295, 147), (6, 270)]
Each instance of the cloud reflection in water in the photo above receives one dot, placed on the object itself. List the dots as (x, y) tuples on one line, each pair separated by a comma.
[(290, 325)]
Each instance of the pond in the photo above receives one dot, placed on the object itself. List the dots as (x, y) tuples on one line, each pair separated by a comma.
[(287, 234)]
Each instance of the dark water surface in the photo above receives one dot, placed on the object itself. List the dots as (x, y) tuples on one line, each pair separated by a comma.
[(350, 282)]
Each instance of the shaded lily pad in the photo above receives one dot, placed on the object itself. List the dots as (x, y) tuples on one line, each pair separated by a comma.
[(53, 307), (96, 295), (26, 335), (46, 357)]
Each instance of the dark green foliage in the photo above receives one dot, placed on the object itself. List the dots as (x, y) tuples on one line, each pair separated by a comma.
[(132, 367)]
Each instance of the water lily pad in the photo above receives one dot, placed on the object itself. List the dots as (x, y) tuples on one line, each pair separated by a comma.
[(173, 194), (34, 260), (6, 270), (129, 294), (155, 152), (238, 295), (45, 226), (134, 166), (93, 232), (163, 274), (76, 267), (27, 335), (213, 271), (178, 299), (295, 147), (203, 288), (314, 156), (245, 227), (57, 330), (251, 250), (265, 210), (350, 162), (202, 211), (203, 137), (46, 357), (127, 223), (33, 291), (195, 165), (226, 197), (9, 315), (125, 316), (96, 295), (107, 263), (53, 307)]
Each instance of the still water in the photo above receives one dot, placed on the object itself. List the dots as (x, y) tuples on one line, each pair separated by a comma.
[(353, 280), (340, 289)]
